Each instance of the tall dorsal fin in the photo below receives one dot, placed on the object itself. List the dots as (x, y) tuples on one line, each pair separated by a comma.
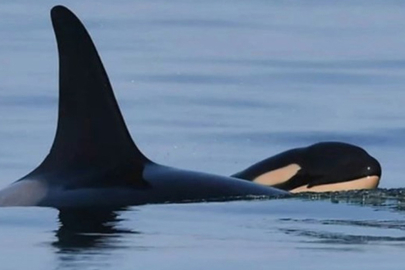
[(91, 131)]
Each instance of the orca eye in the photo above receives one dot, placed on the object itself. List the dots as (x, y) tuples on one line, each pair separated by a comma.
[(374, 168)]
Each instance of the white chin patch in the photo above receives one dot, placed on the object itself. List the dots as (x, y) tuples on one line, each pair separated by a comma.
[(368, 182)]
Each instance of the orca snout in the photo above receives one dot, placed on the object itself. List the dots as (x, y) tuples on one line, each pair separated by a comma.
[(333, 166), (373, 167)]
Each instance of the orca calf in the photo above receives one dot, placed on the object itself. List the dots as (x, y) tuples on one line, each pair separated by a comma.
[(93, 161), (325, 166)]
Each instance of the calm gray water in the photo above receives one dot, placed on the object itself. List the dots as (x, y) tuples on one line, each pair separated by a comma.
[(216, 86)]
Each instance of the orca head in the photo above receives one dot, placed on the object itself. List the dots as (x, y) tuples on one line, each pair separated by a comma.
[(334, 166), (322, 167)]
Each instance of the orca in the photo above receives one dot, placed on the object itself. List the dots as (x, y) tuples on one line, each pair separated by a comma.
[(93, 161), (321, 167)]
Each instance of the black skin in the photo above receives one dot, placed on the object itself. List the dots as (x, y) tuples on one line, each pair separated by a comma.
[(93, 161), (321, 163)]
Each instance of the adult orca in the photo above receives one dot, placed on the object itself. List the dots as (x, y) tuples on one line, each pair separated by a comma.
[(93, 161), (325, 166)]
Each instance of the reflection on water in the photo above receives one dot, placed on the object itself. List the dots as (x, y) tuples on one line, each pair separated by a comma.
[(332, 238), (258, 232), (95, 230), (88, 228), (320, 234), (88, 238), (382, 199), (382, 224), (350, 233)]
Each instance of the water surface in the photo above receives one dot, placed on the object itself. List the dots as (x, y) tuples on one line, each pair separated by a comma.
[(216, 86)]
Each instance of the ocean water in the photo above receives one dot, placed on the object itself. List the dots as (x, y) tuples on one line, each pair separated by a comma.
[(215, 86)]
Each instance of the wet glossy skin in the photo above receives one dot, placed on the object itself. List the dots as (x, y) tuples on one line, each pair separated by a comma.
[(93, 161), (326, 166)]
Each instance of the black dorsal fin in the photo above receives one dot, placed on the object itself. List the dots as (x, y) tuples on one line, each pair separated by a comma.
[(91, 131)]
